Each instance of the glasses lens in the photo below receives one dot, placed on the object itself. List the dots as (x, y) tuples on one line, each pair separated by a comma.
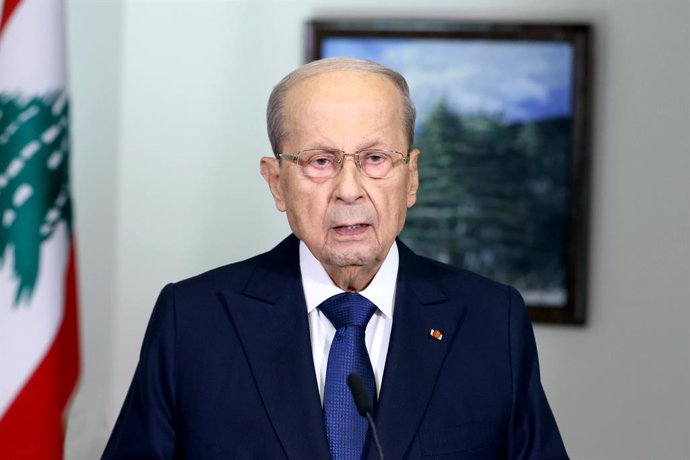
[(376, 163), (319, 163)]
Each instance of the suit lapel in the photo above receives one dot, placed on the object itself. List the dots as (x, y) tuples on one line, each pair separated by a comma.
[(414, 357), (271, 321), (270, 317)]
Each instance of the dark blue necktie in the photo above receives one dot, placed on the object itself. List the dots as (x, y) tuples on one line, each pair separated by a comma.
[(345, 428)]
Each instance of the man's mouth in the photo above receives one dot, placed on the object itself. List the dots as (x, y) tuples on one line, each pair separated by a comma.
[(354, 229)]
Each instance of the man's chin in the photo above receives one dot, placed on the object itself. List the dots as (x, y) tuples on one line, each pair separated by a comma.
[(351, 257)]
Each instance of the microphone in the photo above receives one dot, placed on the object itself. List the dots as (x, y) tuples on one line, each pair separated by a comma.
[(365, 406)]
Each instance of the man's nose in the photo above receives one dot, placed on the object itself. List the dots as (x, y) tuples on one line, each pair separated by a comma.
[(349, 180)]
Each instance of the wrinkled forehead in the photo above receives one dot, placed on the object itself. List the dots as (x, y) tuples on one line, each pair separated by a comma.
[(344, 84), (343, 96)]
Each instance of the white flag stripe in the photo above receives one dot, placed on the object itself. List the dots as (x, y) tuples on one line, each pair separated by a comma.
[(32, 59), (27, 331)]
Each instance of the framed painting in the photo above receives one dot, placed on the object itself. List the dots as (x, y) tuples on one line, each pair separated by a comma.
[(503, 126)]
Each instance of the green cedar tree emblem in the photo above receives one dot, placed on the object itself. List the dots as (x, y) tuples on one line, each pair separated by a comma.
[(34, 168)]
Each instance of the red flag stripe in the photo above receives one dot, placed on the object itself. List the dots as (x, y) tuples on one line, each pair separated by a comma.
[(7, 9), (33, 426)]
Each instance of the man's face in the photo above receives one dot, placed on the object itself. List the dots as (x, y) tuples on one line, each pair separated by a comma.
[(349, 221)]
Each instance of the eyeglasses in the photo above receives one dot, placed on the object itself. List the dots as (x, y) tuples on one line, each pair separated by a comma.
[(325, 163)]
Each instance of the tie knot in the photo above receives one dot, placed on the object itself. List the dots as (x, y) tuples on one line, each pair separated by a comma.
[(348, 309)]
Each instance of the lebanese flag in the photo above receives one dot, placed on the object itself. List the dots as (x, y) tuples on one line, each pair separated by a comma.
[(39, 354)]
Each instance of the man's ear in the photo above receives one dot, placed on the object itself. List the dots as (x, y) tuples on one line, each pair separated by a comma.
[(413, 185), (270, 171)]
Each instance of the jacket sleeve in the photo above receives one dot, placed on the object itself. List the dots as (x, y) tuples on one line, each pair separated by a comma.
[(533, 433), (145, 428)]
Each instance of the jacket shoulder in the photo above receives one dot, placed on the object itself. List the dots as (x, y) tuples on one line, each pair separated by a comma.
[(282, 259)]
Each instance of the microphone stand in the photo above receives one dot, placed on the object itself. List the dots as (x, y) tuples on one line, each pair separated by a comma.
[(365, 407)]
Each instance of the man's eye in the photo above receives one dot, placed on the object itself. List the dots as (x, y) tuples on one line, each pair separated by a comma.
[(322, 161), (374, 158)]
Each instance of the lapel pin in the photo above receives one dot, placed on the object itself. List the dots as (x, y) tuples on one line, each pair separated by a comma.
[(435, 333)]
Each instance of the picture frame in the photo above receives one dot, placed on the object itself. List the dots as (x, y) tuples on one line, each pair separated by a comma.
[(503, 124)]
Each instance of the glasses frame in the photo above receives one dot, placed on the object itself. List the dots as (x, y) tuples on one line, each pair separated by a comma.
[(355, 156)]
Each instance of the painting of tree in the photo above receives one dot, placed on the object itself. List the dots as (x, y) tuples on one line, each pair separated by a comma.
[(493, 197), (501, 140)]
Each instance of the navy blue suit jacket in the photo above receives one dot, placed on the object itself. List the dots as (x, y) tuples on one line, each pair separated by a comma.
[(226, 370)]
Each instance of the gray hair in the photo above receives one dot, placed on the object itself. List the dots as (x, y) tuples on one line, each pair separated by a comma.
[(277, 130)]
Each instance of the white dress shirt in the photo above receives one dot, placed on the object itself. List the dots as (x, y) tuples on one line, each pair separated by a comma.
[(318, 287)]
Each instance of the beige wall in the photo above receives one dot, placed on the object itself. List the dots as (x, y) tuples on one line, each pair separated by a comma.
[(168, 126)]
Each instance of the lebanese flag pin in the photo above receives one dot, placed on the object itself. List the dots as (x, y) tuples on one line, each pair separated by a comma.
[(435, 333)]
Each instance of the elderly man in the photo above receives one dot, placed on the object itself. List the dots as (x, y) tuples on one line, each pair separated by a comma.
[(251, 360)]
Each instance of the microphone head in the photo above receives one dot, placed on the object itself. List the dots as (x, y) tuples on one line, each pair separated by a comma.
[(360, 394)]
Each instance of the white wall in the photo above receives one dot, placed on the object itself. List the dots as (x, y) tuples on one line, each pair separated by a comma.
[(168, 127), (94, 36)]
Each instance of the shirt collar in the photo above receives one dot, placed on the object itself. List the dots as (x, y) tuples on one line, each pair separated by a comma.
[(318, 286)]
